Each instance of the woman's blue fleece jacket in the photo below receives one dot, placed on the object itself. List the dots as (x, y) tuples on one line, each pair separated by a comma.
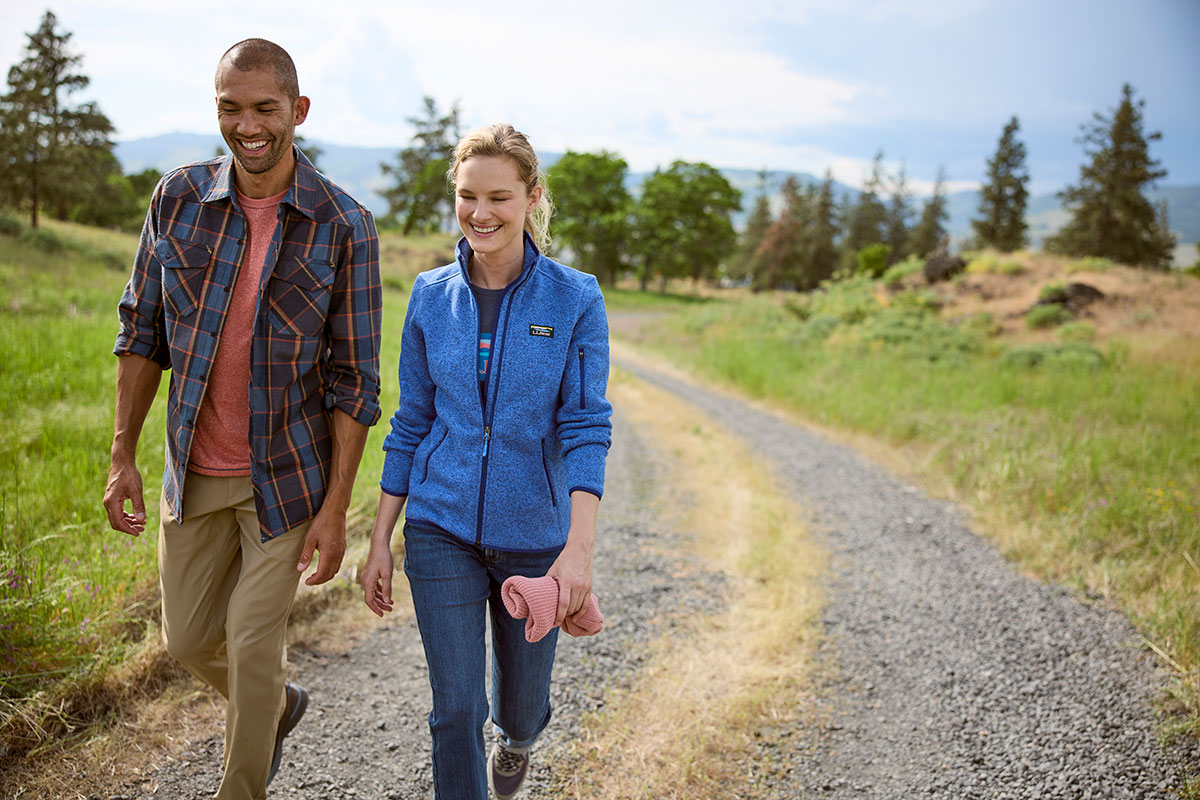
[(501, 478)]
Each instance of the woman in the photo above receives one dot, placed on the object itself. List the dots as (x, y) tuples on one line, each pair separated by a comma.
[(498, 446)]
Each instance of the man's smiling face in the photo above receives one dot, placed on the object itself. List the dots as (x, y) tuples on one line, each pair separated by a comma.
[(257, 118)]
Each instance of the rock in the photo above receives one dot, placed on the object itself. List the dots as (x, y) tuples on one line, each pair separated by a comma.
[(942, 266)]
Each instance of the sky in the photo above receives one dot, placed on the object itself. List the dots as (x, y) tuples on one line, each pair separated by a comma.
[(806, 85)]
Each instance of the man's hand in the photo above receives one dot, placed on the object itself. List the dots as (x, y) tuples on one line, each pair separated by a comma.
[(137, 382), (326, 535), (125, 483)]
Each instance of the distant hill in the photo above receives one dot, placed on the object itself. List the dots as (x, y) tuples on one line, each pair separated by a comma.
[(356, 169)]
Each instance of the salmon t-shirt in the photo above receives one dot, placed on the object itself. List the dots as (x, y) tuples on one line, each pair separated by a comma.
[(222, 444)]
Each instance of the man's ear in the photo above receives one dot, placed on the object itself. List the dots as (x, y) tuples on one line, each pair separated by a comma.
[(300, 109)]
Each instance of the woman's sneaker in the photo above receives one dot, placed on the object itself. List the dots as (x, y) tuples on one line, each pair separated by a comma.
[(506, 770)]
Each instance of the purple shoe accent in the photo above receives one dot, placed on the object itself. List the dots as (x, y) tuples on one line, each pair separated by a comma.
[(506, 771)]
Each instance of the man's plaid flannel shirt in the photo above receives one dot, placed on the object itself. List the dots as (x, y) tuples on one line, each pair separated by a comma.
[(316, 332)]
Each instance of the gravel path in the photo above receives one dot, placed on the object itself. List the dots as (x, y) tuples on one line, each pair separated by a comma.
[(944, 674), (365, 734)]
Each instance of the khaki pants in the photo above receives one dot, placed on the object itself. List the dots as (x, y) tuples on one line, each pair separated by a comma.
[(226, 597)]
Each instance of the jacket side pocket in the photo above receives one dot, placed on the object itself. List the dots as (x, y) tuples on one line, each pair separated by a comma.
[(546, 472)]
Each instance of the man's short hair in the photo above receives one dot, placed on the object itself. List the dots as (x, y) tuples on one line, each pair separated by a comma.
[(254, 54)]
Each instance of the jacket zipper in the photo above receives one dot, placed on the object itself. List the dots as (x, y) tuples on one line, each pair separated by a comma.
[(489, 411), (582, 381)]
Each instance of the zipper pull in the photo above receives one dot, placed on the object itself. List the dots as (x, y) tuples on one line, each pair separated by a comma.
[(487, 434)]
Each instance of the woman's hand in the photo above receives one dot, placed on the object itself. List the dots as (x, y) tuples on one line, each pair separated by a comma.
[(376, 579), (573, 567)]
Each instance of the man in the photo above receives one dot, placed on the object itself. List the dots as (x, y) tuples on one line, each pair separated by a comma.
[(257, 284)]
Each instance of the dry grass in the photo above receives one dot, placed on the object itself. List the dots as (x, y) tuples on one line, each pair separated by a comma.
[(690, 725), (148, 710)]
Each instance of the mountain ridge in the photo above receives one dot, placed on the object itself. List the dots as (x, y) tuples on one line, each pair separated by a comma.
[(357, 170)]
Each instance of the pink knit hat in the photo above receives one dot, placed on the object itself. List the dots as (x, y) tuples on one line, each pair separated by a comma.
[(537, 599)]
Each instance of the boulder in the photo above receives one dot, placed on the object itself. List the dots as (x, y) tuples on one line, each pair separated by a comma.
[(941, 266)]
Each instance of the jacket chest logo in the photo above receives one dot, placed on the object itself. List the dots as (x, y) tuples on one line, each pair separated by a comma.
[(541, 330)]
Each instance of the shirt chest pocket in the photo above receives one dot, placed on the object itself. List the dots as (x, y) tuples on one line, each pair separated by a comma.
[(298, 295), (184, 270)]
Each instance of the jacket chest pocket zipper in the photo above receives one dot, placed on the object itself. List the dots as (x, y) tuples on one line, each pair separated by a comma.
[(582, 381)]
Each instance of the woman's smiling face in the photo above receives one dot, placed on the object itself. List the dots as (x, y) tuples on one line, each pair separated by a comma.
[(491, 203)]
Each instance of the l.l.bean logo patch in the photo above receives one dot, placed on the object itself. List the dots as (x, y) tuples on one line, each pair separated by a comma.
[(541, 330)]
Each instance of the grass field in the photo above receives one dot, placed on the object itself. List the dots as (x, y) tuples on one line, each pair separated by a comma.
[(76, 597), (1083, 462)]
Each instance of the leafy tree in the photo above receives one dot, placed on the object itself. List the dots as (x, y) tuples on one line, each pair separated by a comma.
[(591, 209), (682, 224), (931, 228), (898, 215), (1002, 200), (419, 194), (51, 153), (744, 264), (1110, 215)]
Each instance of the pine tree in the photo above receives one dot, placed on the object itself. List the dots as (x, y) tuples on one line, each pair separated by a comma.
[(1110, 215), (866, 220), (1002, 200), (821, 254), (898, 215), (51, 153), (782, 247), (419, 194), (743, 265), (931, 228)]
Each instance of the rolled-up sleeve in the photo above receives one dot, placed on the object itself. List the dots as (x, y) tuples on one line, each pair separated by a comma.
[(143, 330), (354, 323), (584, 415)]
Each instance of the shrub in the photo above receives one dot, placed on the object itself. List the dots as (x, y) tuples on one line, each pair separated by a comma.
[(1063, 356), (1011, 268), (1077, 332), (873, 259), (1090, 264), (1047, 316), (819, 327), (10, 226), (898, 272), (1055, 292), (982, 325), (981, 264), (44, 240), (849, 300)]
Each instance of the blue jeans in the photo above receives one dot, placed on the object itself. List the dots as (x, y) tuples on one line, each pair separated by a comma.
[(454, 586)]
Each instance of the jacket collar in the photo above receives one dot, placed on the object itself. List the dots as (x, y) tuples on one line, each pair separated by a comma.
[(301, 195), (463, 252)]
